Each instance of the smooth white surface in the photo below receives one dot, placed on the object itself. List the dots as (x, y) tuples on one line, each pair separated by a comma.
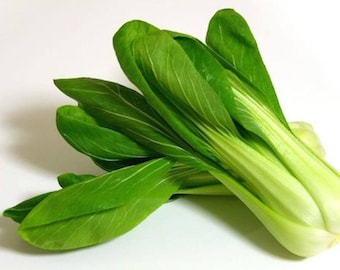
[(42, 40)]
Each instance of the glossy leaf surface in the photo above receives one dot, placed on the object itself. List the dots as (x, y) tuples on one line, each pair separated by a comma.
[(231, 38), (93, 211)]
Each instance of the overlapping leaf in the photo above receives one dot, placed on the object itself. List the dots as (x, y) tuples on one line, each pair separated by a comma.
[(124, 110), (92, 211), (83, 132), (123, 41), (230, 37), (167, 66)]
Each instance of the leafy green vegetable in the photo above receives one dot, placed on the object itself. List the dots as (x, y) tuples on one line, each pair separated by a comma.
[(208, 121), (317, 177), (177, 76), (187, 78)]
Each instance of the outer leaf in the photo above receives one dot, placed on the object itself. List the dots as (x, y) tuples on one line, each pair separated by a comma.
[(208, 67), (222, 81), (123, 42), (83, 132), (126, 111), (85, 214), (318, 178), (165, 65), (230, 37)]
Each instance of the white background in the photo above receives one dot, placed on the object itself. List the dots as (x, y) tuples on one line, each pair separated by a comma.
[(42, 40)]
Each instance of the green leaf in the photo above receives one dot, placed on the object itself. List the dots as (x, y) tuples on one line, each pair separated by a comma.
[(123, 42), (90, 92), (230, 37), (83, 132), (97, 210), (119, 108), (178, 75), (223, 82), (209, 68)]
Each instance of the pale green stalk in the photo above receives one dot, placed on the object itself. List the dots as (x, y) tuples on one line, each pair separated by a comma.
[(320, 180)]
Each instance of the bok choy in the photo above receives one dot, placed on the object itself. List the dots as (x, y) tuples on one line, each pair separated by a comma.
[(291, 190), (206, 121)]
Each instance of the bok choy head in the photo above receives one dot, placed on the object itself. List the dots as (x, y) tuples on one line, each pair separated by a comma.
[(208, 122), (232, 118)]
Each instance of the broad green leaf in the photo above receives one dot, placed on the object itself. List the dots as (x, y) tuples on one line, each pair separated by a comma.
[(165, 64), (83, 132), (230, 37), (222, 81), (97, 210), (103, 94), (208, 67), (124, 110), (123, 42), (96, 194), (94, 229)]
